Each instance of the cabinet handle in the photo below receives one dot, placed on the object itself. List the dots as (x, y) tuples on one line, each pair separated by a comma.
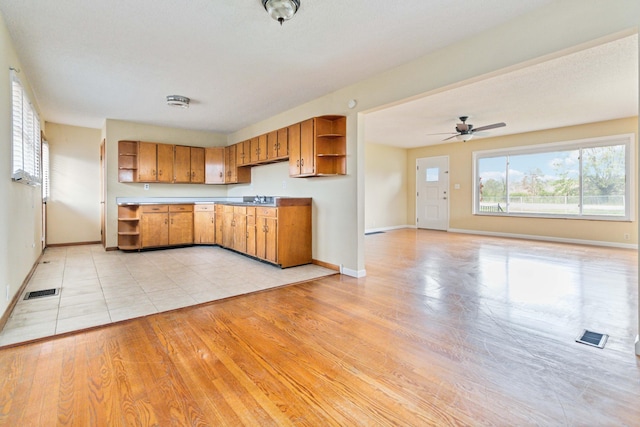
[(301, 162), (160, 172), (220, 174), (171, 220), (153, 172), (298, 163), (166, 221)]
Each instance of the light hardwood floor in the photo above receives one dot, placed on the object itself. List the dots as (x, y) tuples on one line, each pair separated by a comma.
[(446, 329)]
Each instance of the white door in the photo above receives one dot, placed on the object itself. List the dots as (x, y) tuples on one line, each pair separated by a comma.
[(432, 199)]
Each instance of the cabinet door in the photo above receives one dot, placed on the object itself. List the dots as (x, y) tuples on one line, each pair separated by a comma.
[(272, 145), (165, 163), (197, 165), (251, 231), (204, 227), (307, 148), (240, 232), (154, 229), (227, 227), (294, 149), (283, 142), (180, 228), (147, 162), (271, 239), (219, 224), (182, 164), (243, 153), (230, 167), (214, 165)]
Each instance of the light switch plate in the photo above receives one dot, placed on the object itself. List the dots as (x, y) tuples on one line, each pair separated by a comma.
[(456, 186)]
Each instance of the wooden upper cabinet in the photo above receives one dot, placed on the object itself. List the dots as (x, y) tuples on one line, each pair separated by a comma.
[(165, 163), (294, 149), (301, 149), (230, 167), (283, 143), (321, 149), (272, 145), (147, 161), (243, 153), (214, 165), (259, 149), (182, 164), (197, 165), (189, 164)]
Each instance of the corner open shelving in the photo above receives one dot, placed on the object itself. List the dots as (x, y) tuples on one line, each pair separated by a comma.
[(128, 228)]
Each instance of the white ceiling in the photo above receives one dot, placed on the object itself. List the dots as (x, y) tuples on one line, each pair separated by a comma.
[(88, 60), (591, 85)]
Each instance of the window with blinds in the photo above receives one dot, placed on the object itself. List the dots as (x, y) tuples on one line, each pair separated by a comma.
[(26, 136)]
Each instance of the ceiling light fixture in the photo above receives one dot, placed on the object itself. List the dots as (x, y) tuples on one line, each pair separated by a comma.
[(464, 137), (281, 10), (178, 101)]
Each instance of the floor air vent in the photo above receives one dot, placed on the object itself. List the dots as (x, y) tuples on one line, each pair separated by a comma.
[(42, 293), (592, 338)]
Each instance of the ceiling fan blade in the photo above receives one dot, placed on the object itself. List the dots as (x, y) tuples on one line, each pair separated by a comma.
[(451, 137), (443, 133), (493, 126)]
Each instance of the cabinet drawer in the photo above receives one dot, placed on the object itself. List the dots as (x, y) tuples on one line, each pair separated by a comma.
[(154, 208), (180, 208), (268, 212), (204, 208), (241, 210)]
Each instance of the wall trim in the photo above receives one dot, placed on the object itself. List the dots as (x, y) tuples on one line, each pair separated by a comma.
[(546, 238), (58, 245), (395, 227), (352, 273), (326, 265), (16, 297)]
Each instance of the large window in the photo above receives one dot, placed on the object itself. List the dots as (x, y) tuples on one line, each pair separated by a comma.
[(588, 179), (26, 136)]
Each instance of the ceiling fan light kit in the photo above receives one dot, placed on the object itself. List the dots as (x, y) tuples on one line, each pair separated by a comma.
[(464, 131), (281, 10)]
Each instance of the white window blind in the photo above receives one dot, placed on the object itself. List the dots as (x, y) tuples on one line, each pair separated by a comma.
[(26, 136), (46, 192)]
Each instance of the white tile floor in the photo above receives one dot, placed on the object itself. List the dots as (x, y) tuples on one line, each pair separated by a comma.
[(99, 287)]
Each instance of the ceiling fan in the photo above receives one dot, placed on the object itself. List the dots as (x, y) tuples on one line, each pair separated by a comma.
[(465, 132)]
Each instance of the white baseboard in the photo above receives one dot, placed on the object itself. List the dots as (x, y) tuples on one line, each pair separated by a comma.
[(353, 273), (547, 238), (395, 227)]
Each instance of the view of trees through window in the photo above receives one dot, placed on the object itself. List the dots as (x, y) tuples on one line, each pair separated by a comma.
[(581, 181)]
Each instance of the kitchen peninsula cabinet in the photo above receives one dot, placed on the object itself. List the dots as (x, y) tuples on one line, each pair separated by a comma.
[(233, 173), (204, 226), (166, 225), (282, 233)]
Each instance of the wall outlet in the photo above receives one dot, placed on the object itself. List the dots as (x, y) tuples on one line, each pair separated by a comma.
[(627, 236), (284, 184), (146, 186), (8, 290)]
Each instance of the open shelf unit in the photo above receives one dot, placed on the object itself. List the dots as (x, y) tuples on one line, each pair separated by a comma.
[(330, 145), (127, 161), (128, 228)]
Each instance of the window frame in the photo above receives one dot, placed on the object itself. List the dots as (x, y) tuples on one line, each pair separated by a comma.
[(628, 140), (25, 137)]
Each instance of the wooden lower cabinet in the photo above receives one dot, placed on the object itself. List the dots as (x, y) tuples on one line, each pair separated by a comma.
[(251, 231), (204, 226), (166, 225)]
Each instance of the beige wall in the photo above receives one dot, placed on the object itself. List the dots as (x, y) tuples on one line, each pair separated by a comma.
[(116, 130), (385, 204), (461, 172), (21, 206), (73, 209)]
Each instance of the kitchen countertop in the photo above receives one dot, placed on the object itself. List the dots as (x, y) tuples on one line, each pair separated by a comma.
[(237, 201)]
